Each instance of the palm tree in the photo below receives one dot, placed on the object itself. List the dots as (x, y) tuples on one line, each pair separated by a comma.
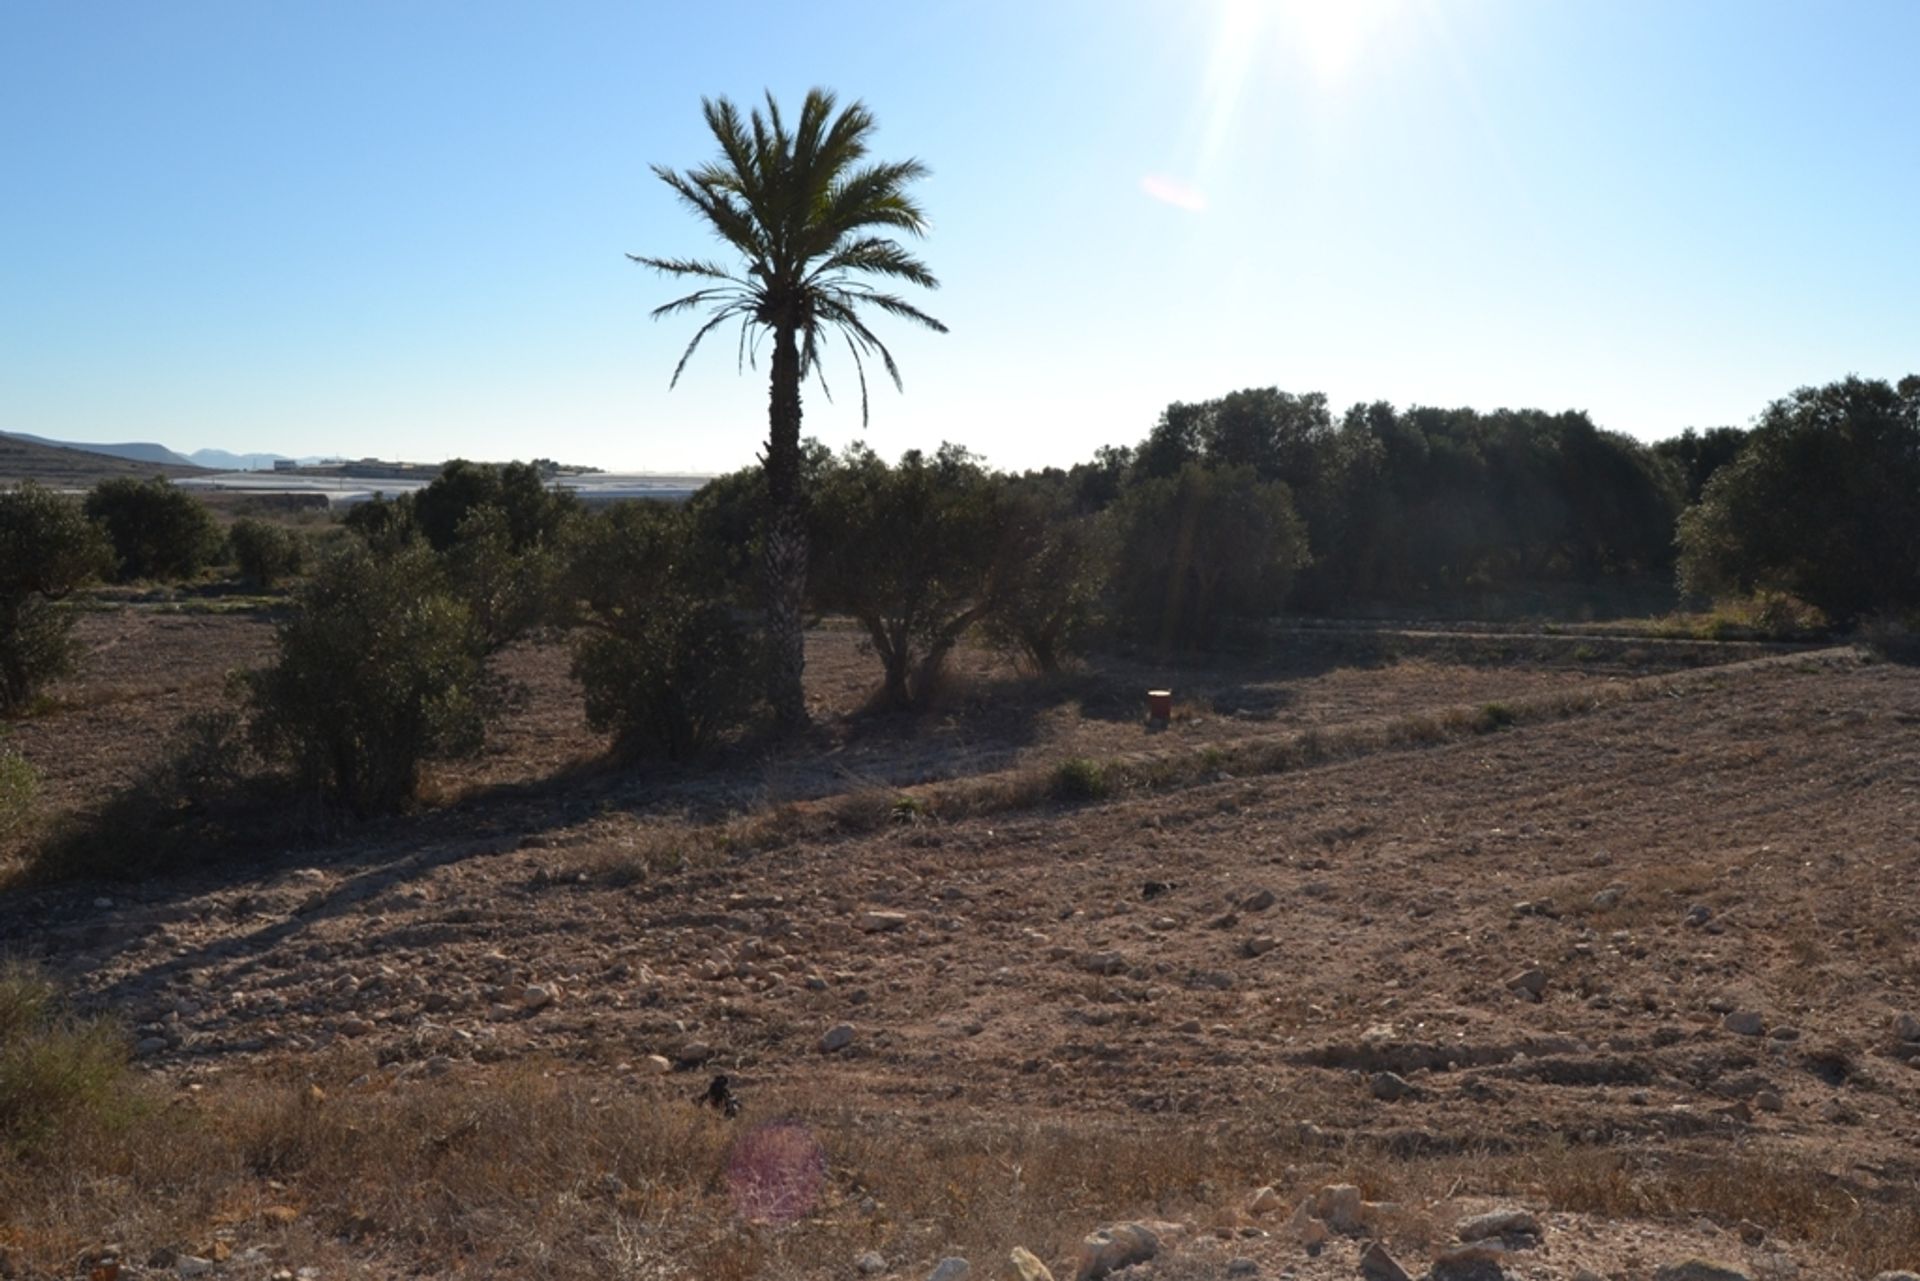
[(808, 215)]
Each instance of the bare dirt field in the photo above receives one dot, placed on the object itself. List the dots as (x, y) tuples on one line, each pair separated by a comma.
[(1639, 971)]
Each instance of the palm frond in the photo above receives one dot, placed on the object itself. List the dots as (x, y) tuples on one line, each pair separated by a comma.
[(686, 267), (714, 322)]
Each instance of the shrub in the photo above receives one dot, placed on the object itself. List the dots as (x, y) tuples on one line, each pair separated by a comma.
[(19, 786), (383, 525), (1203, 547), (47, 549), (1819, 504), (378, 669), (157, 530), (533, 514), (1053, 570), (55, 1069), (1080, 779), (666, 667), (265, 553), (913, 552), (508, 592)]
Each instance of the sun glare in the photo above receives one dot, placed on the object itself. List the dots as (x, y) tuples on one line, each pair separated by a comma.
[(1330, 36)]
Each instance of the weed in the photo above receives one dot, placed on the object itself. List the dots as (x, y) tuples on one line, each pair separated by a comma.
[(1081, 779)]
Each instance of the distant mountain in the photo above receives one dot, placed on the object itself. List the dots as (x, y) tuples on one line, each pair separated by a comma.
[(222, 460), (137, 451), (24, 458)]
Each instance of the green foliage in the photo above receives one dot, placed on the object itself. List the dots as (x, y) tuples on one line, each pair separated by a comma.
[(1494, 716), (158, 531), (265, 553), (913, 552), (530, 513), (56, 1070), (1081, 779), (384, 525), (507, 591), (1820, 504), (1697, 455), (47, 550), (1053, 567), (1202, 548), (19, 786), (378, 669), (666, 667)]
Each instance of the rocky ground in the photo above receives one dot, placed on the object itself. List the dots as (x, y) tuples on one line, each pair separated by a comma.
[(1565, 965)]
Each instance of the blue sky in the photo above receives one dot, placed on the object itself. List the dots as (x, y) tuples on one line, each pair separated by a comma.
[(398, 229)]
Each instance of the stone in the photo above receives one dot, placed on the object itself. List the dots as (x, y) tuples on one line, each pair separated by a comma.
[(881, 922), (1264, 1201), (1530, 983), (1340, 1206), (1242, 1267), (1390, 1087), (950, 1269), (1699, 1270), (192, 1265), (1027, 1267), (694, 1053), (1769, 1101), (1307, 1230), (1898, 1276), (1258, 901), (1377, 1265), (1103, 962), (1699, 914), (656, 1065), (1259, 945), (872, 1263), (1906, 1026), (536, 996), (1609, 898), (838, 1037), (1499, 1223), (1109, 1249), (148, 1046), (1744, 1023), (1468, 1263)]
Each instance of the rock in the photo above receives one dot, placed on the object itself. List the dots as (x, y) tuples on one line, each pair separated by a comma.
[(1898, 1276), (1699, 1270), (1258, 901), (1108, 1249), (1242, 1267), (1467, 1263), (872, 1263), (694, 1053), (1377, 1265), (355, 1027), (1906, 1026), (1259, 945), (881, 922), (1027, 1267), (148, 1046), (1103, 962), (838, 1037), (192, 1265), (1307, 1230), (1499, 1223), (1744, 1023), (1608, 899), (1390, 1087), (952, 1269), (656, 1065), (1339, 1204), (1264, 1201), (536, 996), (1769, 1101), (1530, 983), (1699, 914)]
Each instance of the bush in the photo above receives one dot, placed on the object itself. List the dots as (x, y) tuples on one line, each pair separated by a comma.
[(383, 525), (19, 786), (533, 514), (913, 552), (47, 549), (508, 592), (1201, 548), (378, 669), (158, 531), (1080, 779), (265, 553), (1054, 569), (1818, 505), (666, 667), (55, 1070)]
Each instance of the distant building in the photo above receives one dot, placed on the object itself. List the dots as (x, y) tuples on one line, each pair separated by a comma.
[(286, 464)]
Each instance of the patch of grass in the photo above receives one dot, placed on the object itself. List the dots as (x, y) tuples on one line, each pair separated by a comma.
[(19, 788), (58, 1072), (650, 853), (1494, 716), (1081, 779)]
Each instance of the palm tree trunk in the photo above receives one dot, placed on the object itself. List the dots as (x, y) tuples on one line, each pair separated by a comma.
[(786, 541)]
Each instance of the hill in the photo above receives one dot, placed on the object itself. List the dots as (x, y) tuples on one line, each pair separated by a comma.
[(60, 467), (225, 460), (134, 451)]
